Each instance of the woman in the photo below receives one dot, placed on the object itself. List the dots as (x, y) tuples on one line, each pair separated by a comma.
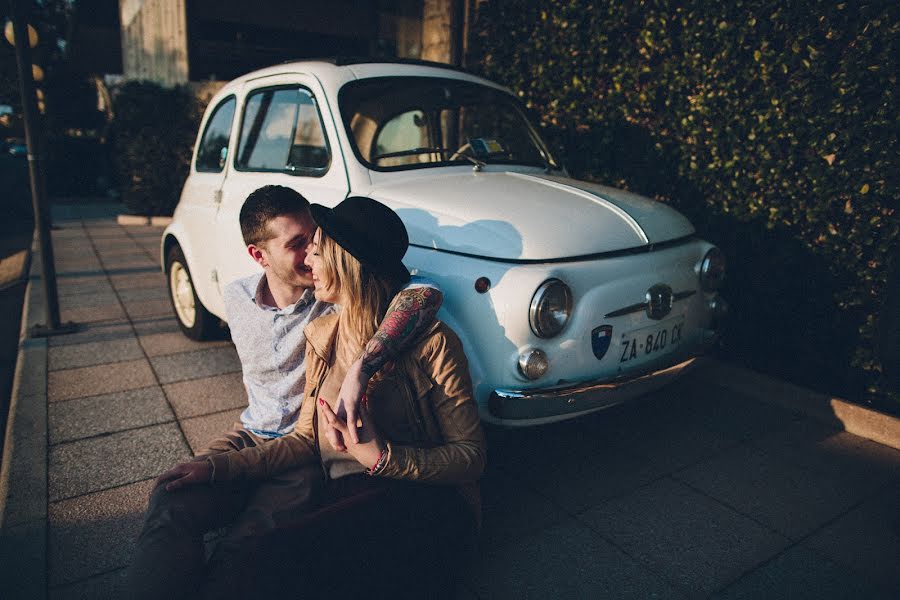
[(379, 528)]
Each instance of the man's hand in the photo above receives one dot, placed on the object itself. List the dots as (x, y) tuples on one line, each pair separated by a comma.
[(368, 450), (185, 474), (347, 406)]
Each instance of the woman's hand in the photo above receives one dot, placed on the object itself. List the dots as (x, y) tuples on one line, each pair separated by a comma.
[(370, 446), (185, 474)]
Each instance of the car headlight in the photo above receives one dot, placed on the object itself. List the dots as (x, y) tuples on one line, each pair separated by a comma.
[(712, 270), (551, 306)]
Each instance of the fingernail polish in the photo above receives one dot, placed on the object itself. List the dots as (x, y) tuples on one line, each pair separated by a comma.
[(321, 401)]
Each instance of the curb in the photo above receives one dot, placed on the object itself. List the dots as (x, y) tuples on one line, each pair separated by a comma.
[(858, 420), (23, 472)]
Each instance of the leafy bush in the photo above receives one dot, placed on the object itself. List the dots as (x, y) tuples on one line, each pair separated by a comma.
[(773, 126), (152, 135)]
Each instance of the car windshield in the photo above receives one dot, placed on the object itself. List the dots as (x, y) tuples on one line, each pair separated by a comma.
[(410, 122)]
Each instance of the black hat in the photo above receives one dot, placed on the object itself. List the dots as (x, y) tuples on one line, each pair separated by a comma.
[(370, 231)]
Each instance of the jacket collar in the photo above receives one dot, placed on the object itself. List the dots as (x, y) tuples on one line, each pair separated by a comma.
[(321, 334)]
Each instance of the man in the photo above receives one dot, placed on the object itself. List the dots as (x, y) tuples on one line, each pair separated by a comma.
[(267, 314)]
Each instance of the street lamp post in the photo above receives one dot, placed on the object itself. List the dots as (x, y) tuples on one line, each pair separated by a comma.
[(36, 174)]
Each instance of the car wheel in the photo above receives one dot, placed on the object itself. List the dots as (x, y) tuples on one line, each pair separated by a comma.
[(194, 320)]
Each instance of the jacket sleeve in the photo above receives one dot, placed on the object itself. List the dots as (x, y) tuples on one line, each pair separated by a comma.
[(260, 462), (461, 456)]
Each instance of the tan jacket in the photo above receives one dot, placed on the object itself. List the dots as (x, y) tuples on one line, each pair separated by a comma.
[(423, 407)]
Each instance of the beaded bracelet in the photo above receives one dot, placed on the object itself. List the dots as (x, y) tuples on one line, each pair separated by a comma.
[(379, 465)]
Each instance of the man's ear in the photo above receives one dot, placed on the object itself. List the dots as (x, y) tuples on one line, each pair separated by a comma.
[(256, 253)]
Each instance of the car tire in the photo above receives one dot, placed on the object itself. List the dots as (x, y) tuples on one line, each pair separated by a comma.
[(194, 320)]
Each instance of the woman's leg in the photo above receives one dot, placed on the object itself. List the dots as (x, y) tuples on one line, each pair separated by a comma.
[(381, 538), (275, 503)]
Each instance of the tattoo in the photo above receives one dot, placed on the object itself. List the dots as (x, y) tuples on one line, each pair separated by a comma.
[(411, 312)]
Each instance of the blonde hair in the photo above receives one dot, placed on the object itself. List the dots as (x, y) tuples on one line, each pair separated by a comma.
[(364, 295)]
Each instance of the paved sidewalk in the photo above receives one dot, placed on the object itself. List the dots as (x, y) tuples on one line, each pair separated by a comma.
[(705, 490)]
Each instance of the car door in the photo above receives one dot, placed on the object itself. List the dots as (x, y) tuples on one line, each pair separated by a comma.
[(201, 195), (285, 137)]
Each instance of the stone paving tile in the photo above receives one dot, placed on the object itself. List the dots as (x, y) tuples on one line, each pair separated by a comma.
[(108, 586), (512, 510), (160, 335), (109, 413), (660, 429), (200, 431), (838, 455), (101, 379), (801, 575), (95, 533), (89, 300), (565, 561), (785, 497), (207, 395), (64, 267), (544, 458), (734, 414), (84, 286), (100, 331), (193, 365), (100, 463), (88, 314), (143, 278), (94, 353), (690, 538), (143, 294), (867, 539), (139, 309)]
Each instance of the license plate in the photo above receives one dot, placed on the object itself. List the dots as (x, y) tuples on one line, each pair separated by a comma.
[(650, 341)]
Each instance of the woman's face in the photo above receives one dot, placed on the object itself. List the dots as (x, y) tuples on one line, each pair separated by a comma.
[(325, 291)]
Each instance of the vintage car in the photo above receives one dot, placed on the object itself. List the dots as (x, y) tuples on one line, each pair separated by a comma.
[(569, 296)]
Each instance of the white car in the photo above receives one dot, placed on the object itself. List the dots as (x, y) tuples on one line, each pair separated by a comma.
[(569, 296)]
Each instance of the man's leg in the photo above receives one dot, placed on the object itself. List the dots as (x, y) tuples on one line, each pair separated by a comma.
[(169, 559), (275, 503)]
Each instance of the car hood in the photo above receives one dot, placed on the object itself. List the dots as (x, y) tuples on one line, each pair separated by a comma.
[(515, 216)]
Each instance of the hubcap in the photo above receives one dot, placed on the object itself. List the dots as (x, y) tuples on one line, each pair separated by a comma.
[(182, 294)]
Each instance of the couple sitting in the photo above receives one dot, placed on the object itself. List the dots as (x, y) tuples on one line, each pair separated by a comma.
[(360, 449)]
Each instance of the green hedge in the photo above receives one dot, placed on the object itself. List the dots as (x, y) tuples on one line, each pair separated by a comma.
[(772, 125), (153, 132)]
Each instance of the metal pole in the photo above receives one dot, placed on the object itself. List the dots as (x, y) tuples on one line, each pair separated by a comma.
[(36, 172)]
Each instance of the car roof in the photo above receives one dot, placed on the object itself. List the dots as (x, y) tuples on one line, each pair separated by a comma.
[(336, 71)]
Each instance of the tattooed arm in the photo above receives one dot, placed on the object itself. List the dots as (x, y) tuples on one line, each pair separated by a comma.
[(411, 312)]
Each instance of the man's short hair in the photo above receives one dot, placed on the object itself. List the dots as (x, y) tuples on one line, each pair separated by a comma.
[(265, 204)]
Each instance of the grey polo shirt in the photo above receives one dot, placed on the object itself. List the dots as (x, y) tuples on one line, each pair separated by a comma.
[(271, 345)]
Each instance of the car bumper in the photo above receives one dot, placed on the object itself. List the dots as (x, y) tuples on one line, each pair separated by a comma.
[(537, 406)]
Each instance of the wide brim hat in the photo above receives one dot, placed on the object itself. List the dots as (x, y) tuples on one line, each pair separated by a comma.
[(370, 231)]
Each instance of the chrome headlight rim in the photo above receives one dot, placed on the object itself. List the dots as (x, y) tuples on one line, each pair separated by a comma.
[(548, 328), (712, 270), (533, 364)]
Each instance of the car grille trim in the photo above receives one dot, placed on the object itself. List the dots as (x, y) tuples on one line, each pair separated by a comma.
[(642, 306)]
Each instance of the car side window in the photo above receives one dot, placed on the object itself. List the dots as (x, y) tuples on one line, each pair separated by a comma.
[(213, 151), (282, 131)]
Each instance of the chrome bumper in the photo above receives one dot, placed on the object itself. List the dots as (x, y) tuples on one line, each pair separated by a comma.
[(555, 404)]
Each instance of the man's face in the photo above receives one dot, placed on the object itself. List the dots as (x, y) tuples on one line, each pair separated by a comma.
[(285, 253)]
